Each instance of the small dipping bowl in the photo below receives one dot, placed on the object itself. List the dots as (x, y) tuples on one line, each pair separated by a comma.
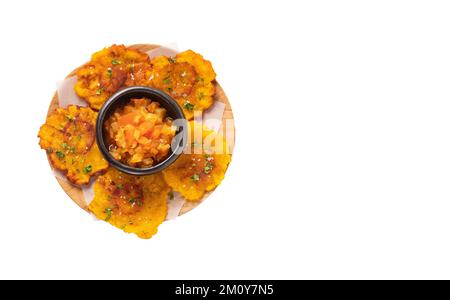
[(123, 97)]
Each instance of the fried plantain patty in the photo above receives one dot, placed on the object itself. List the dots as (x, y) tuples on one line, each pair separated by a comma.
[(68, 136), (188, 78), (135, 204), (194, 174), (109, 70)]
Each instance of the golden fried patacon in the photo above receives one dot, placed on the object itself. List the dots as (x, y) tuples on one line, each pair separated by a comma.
[(188, 78), (68, 136), (135, 204), (109, 70), (201, 171)]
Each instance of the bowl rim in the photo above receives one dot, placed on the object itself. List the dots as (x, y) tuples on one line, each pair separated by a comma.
[(105, 110)]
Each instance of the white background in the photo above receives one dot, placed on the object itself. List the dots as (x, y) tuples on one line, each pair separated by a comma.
[(342, 161)]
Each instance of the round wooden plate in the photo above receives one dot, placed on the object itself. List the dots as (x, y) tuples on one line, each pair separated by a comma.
[(75, 192)]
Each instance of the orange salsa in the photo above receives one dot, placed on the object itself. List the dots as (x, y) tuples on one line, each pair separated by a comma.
[(139, 134)]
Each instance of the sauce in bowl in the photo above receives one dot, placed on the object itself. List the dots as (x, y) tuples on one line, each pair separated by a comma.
[(139, 134)]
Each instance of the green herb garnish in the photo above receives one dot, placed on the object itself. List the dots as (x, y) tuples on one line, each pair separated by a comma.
[(99, 91), (120, 186), (108, 212), (65, 146), (87, 169), (60, 154), (195, 177), (208, 167), (167, 80), (109, 72), (137, 201), (200, 96), (188, 105), (172, 60), (70, 118), (115, 62)]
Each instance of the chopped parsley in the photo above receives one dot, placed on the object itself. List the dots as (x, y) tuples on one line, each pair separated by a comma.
[(200, 96), (188, 105), (137, 201), (195, 177), (65, 146), (167, 80), (99, 91), (109, 72), (87, 169), (120, 186), (70, 118), (172, 60), (60, 154), (108, 212), (208, 167), (116, 62)]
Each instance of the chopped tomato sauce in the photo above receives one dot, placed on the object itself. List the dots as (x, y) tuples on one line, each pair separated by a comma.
[(139, 134)]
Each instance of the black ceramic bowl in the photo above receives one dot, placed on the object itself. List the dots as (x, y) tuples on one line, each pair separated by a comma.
[(174, 111)]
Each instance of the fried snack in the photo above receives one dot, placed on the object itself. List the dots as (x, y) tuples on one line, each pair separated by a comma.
[(188, 78), (201, 171), (108, 71), (135, 204), (139, 134), (68, 136)]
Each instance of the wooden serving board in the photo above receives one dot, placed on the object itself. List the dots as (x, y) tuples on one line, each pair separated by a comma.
[(75, 192)]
